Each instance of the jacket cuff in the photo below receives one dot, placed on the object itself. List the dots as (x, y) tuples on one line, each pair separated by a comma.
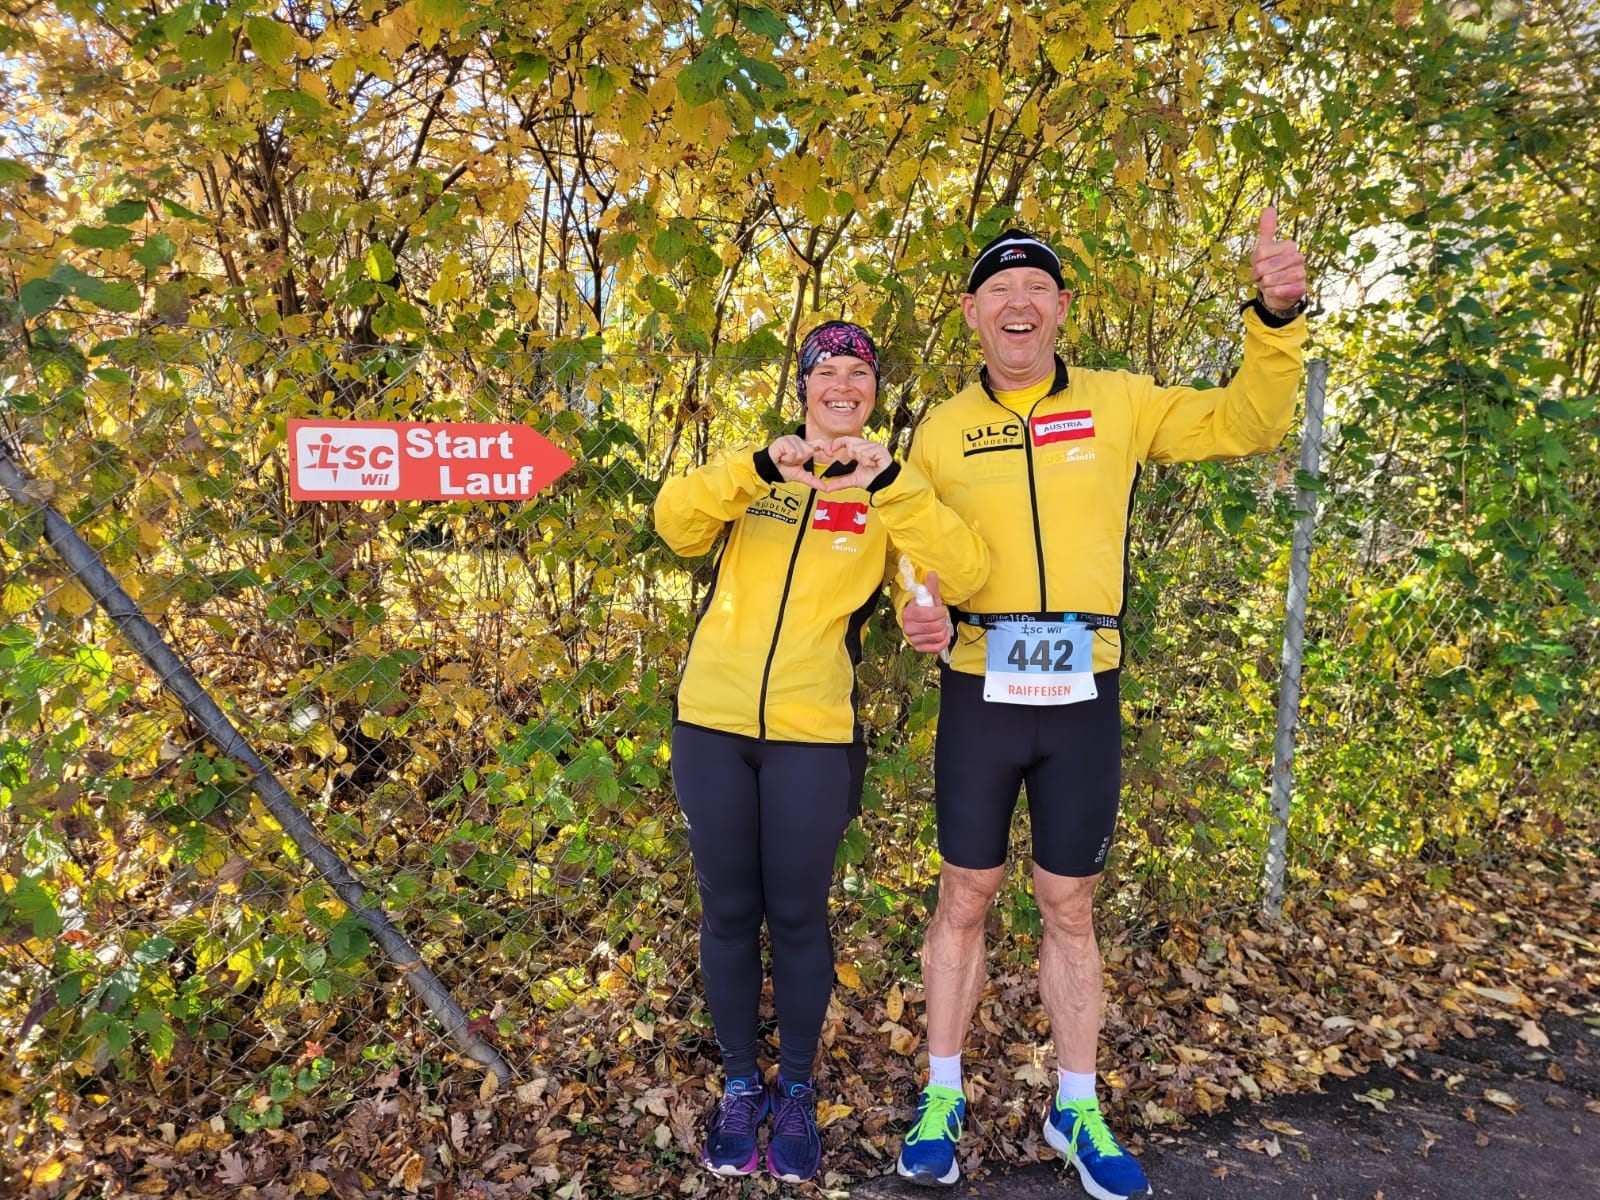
[(1269, 318), (885, 477), (766, 468)]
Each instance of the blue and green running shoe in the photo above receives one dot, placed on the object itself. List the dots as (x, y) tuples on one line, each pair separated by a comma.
[(730, 1147), (794, 1151), (929, 1154), (1080, 1133)]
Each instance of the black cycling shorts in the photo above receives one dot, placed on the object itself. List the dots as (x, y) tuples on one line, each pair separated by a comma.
[(1069, 755)]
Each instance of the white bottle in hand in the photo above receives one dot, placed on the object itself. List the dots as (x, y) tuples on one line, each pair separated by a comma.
[(908, 576)]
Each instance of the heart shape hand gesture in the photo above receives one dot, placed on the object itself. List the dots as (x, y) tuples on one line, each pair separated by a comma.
[(791, 453), (868, 458)]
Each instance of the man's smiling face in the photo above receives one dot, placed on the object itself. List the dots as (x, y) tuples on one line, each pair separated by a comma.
[(1016, 313)]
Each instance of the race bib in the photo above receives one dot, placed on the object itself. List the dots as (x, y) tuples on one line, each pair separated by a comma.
[(1039, 662)]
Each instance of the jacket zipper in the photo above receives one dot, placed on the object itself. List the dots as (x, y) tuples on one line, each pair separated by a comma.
[(783, 601), (1033, 499), (1033, 490)]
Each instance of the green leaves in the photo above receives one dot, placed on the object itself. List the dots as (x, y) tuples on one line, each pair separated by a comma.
[(273, 42), (302, 104), (153, 950), (722, 64), (157, 251), (101, 237), (29, 904), (38, 295), (380, 262), (126, 212), (762, 22)]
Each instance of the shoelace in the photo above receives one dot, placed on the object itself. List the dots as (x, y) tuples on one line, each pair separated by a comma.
[(793, 1118), (737, 1111), (935, 1119), (1090, 1119)]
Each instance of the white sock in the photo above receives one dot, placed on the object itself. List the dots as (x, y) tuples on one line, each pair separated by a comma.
[(945, 1071), (1073, 1085)]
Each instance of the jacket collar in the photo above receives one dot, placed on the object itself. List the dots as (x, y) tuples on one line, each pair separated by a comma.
[(1058, 384)]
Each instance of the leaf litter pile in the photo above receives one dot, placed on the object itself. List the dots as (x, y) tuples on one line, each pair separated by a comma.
[(1198, 1016)]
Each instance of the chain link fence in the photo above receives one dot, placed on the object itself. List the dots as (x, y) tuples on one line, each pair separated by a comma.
[(471, 704)]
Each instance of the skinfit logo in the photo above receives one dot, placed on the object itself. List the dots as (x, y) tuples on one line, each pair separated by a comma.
[(1013, 254), (341, 459)]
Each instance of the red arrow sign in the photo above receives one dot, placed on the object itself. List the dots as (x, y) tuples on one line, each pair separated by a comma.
[(414, 460)]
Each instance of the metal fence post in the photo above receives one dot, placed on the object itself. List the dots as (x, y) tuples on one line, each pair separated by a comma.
[(1294, 636)]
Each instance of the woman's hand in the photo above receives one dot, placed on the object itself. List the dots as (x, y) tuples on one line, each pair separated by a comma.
[(790, 454), (869, 457)]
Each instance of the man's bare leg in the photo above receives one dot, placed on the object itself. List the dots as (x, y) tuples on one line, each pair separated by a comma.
[(954, 965), (1071, 980)]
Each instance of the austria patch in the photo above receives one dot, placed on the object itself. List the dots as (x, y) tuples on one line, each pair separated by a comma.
[(1061, 427), (840, 516)]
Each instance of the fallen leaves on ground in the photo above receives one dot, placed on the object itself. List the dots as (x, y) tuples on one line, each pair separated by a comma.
[(1198, 1016)]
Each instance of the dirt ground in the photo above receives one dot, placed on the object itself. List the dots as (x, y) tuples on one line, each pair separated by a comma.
[(1490, 1116)]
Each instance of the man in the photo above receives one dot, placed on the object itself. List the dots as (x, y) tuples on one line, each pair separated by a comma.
[(1042, 463)]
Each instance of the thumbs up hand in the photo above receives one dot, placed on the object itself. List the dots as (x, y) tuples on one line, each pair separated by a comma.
[(1277, 267), (927, 626)]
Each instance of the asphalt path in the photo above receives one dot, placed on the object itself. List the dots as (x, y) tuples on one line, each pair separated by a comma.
[(1486, 1117)]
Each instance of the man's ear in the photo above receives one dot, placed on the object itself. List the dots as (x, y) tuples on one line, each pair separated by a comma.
[(969, 304)]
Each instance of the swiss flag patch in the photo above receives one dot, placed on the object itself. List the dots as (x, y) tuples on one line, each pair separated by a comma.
[(840, 516), (1061, 427)]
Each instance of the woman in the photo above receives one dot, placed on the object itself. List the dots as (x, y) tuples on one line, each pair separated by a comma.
[(767, 753)]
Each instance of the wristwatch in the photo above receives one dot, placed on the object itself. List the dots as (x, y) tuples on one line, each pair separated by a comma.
[(1290, 313)]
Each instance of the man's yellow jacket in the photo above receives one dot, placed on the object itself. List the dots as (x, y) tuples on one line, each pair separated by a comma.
[(779, 636), (1050, 491)]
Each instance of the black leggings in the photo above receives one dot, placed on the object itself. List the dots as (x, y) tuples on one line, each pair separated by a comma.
[(765, 819)]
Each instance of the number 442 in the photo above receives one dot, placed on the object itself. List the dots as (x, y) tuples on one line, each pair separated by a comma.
[(1044, 656)]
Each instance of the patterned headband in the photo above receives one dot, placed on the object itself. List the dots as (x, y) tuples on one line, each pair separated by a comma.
[(828, 339)]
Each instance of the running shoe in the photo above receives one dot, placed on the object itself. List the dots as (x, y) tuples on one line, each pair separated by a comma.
[(730, 1147), (929, 1154), (794, 1152), (1106, 1170)]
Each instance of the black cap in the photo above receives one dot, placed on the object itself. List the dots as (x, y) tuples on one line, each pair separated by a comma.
[(1014, 248)]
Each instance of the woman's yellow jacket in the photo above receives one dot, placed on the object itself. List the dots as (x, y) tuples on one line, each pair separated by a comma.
[(1050, 490), (775, 650)]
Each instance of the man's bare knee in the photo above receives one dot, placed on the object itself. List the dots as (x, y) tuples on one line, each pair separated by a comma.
[(965, 896), (1066, 903)]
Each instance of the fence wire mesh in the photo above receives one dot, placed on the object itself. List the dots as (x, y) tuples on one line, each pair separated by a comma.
[(472, 703)]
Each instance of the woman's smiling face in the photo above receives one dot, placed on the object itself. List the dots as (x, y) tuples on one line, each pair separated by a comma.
[(840, 391)]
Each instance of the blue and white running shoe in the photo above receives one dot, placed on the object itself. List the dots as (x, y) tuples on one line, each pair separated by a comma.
[(929, 1154), (1080, 1133)]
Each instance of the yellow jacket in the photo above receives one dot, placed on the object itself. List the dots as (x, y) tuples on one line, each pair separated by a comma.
[(1053, 506), (775, 650)]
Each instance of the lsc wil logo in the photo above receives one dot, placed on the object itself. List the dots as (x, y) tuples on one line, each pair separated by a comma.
[(345, 459)]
